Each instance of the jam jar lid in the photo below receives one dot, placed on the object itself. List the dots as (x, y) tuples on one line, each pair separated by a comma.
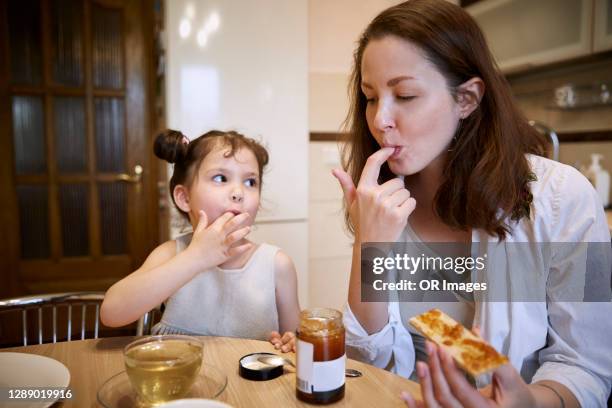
[(252, 369)]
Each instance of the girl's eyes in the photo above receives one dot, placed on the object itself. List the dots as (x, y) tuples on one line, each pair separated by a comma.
[(220, 178)]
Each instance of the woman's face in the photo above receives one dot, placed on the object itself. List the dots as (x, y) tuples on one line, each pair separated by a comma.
[(409, 105)]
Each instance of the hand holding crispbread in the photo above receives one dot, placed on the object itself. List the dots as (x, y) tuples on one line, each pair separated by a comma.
[(471, 353)]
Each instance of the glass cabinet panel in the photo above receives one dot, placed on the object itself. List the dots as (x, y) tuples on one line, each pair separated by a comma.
[(28, 135), (109, 134), (34, 221), (113, 217), (74, 204), (67, 42), (107, 35), (24, 41), (70, 135)]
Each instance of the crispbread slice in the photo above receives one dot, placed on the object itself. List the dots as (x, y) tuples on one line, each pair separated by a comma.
[(471, 353)]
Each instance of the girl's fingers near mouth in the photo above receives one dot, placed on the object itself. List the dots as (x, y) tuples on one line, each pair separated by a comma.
[(236, 222), (237, 235)]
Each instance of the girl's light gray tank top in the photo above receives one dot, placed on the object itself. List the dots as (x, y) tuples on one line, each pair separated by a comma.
[(225, 302)]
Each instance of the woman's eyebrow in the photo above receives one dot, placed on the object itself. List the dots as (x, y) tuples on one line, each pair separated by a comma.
[(399, 79), (391, 82)]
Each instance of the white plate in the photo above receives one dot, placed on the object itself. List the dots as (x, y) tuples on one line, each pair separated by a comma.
[(194, 403), (18, 370)]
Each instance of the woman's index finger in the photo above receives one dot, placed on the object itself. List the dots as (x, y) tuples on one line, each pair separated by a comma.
[(371, 170)]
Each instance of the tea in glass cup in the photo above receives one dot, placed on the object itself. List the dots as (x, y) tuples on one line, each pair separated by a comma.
[(163, 368)]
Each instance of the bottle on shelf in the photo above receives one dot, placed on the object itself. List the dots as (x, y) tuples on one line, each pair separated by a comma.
[(600, 179)]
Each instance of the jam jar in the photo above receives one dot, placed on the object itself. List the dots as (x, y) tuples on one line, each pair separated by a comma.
[(321, 358)]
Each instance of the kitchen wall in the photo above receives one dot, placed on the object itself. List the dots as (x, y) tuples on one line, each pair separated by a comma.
[(334, 27), (244, 66)]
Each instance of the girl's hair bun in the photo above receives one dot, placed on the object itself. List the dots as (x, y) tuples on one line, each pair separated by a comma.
[(170, 146)]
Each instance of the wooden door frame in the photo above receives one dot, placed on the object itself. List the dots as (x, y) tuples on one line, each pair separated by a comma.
[(149, 198), (9, 252), (140, 13)]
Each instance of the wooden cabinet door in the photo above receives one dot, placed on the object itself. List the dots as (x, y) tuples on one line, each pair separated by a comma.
[(527, 33), (602, 30), (78, 207)]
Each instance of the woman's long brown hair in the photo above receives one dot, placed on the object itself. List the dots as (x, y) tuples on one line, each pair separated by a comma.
[(486, 176)]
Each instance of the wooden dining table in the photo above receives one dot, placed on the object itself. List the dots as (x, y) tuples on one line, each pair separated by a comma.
[(92, 362)]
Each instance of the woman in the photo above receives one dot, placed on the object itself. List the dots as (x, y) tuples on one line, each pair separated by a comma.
[(438, 152)]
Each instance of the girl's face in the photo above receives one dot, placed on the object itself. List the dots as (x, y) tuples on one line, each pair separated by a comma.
[(225, 184), (409, 105)]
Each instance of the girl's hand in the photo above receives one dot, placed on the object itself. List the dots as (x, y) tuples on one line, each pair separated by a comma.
[(216, 243), (379, 213), (286, 343), (444, 385)]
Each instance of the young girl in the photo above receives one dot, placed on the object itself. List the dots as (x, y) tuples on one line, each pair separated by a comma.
[(213, 278)]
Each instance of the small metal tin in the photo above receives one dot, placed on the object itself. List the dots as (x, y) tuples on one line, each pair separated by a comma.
[(252, 369)]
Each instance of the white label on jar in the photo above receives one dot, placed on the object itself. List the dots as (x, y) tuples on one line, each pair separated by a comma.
[(328, 375), (304, 356), (317, 376)]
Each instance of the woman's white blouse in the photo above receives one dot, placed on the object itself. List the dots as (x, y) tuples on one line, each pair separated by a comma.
[(567, 342)]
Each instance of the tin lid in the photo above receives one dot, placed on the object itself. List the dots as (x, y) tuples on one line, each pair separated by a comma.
[(252, 369)]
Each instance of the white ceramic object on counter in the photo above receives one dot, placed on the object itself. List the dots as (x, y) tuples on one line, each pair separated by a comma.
[(24, 370), (194, 403)]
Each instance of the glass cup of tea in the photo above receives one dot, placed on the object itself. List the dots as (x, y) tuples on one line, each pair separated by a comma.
[(163, 368)]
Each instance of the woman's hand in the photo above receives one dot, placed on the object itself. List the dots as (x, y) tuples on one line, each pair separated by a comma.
[(379, 213), (284, 343), (444, 385), (216, 243)]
